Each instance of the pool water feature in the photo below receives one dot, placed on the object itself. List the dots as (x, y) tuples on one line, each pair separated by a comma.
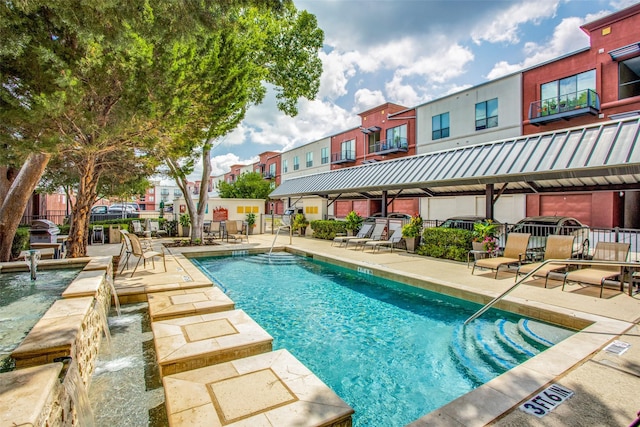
[(23, 302), (393, 352)]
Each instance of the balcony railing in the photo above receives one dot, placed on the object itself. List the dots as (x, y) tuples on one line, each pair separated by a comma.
[(390, 145), (268, 175), (343, 157), (564, 107)]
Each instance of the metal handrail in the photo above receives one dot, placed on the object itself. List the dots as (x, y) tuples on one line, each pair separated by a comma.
[(549, 261)]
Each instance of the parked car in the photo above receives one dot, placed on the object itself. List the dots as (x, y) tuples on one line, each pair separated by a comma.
[(119, 208), (541, 226), (99, 210), (464, 222), (399, 215)]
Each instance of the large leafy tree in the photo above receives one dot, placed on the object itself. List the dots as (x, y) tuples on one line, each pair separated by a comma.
[(249, 185), (224, 73), (80, 80)]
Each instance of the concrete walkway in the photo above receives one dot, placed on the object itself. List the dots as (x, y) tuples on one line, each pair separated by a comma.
[(606, 385)]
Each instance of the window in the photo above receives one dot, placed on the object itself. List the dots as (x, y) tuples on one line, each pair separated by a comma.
[(285, 166), (440, 126), (374, 139), (567, 93), (272, 170), (309, 159), (487, 114), (324, 155), (397, 137), (348, 150), (296, 163), (629, 71)]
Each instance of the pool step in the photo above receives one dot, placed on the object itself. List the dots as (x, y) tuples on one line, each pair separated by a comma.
[(275, 258), (542, 333), (485, 350), (466, 354)]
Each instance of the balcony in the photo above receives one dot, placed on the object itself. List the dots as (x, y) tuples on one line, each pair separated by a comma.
[(268, 175), (564, 107), (343, 157), (390, 146)]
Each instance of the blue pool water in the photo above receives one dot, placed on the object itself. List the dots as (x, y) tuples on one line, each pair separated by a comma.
[(23, 302), (383, 347)]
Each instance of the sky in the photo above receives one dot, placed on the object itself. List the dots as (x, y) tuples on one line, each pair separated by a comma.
[(409, 52)]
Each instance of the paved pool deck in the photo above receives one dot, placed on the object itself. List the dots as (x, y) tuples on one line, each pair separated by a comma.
[(606, 385)]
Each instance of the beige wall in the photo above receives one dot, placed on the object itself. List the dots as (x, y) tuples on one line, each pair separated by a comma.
[(508, 209)]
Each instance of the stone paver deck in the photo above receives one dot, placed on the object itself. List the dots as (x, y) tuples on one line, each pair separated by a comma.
[(187, 302), (271, 389), (196, 341)]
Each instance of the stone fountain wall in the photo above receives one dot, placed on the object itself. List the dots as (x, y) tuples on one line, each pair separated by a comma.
[(72, 327)]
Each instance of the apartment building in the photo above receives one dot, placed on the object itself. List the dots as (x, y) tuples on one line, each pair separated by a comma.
[(559, 100)]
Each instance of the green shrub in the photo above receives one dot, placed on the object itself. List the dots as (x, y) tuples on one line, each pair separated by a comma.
[(20, 242), (447, 243), (327, 228)]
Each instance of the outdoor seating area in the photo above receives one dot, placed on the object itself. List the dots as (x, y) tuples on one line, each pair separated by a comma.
[(599, 274), (558, 247), (377, 234), (514, 253), (609, 264)]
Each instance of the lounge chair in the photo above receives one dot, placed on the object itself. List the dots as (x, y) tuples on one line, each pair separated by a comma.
[(396, 237), (514, 252), (557, 247), (137, 250), (233, 231), (365, 231), (605, 251), (378, 231)]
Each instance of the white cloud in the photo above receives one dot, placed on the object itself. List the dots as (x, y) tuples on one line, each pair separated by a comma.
[(439, 65), (402, 93), (504, 26), (365, 99), (567, 37), (622, 4), (337, 69)]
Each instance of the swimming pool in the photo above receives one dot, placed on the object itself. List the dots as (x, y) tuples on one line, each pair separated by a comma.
[(23, 302), (391, 351)]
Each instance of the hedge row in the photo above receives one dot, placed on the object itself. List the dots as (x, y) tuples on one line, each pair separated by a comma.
[(447, 243), (327, 229)]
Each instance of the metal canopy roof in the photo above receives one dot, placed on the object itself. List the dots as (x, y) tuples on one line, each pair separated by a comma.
[(597, 157)]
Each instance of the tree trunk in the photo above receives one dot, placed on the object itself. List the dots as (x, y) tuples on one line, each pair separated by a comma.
[(16, 194), (80, 211)]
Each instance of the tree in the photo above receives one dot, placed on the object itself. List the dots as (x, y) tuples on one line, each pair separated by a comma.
[(223, 74), (249, 185), (85, 80)]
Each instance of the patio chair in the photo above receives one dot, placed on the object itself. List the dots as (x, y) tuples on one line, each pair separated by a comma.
[(138, 230), (396, 237), (155, 230), (558, 247), (215, 230), (365, 231), (598, 274), (233, 231), (514, 252), (378, 231), (125, 249), (143, 254)]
